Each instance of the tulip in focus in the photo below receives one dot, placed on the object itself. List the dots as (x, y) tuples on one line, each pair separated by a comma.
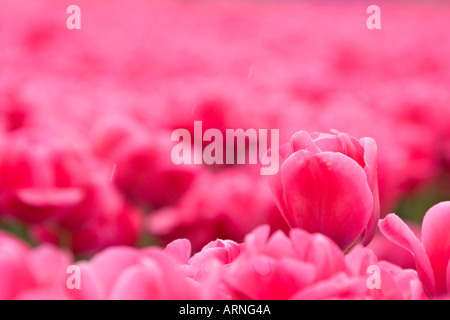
[(327, 183)]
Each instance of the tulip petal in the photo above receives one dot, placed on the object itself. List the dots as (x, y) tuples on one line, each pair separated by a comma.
[(370, 159), (302, 140), (436, 241), (279, 246), (338, 287), (359, 259), (140, 283), (417, 291), (326, 193), (398, 232), (352, 148), (342, 143), (41, 294), (257, 239), (111, 262), (50, 196), (318, 250), (263, 278), (275, 179), (389, 287), (179, 249), (448, 277), (91, 286)]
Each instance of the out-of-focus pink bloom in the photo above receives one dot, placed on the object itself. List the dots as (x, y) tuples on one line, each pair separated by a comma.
[(64, 193), (301, 266), (14, 275), (121, 273), (40, 176), (122, 227), (431, 253), (279, 267), (407, 161), (327, 183), (223, 251), (395, 283), (311, 266), (205, 267), (114, 222), (226, 205), (31, 273), (144, 169)]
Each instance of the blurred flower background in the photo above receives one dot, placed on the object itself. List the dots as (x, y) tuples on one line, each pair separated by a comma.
[(86, 115)]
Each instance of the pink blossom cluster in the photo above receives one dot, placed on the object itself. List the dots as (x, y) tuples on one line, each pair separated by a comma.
[(322, 257), (87, 180), (298, 266)]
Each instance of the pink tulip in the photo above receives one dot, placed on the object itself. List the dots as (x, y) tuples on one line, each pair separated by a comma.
[(281, 267), (14, 276), (395, 283), (220, 251), (327, 183), (144, 169), (311, 266), (26, 273), (431, 253), (121, 273), (40, 176), (226, 204), (113, 226), (205, 267)]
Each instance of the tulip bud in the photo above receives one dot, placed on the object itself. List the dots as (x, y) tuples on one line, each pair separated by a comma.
[(327, 183)]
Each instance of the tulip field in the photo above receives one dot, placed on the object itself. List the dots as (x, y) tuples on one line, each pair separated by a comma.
[(224, 150)]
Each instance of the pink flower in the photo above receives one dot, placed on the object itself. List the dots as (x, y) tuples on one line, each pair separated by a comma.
[(40, 176), (57, 187), (221, 251), (115, 223), (205, 267), (14, 275), (144, 171), (311, 266), (407, 162), (31, 273), (227, 205), (303, 266), (104, 218), (327, 183), (121, 273), (431, 253), (395, 283)]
